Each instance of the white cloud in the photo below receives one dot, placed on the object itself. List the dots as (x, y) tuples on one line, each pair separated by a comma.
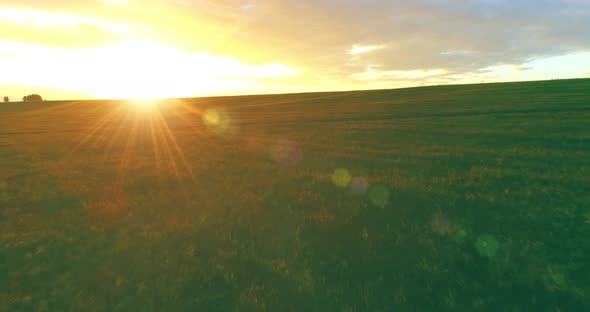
[(43, 19), (135, 69), (361, 49), (456, 52)]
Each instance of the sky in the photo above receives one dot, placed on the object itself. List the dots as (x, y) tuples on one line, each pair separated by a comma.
[(75, 49)]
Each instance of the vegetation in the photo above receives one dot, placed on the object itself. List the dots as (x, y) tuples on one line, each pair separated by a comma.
[(6, 99), (465, 198), (32, 98)]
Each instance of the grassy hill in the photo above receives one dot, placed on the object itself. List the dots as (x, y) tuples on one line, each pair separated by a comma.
[(467, 197)]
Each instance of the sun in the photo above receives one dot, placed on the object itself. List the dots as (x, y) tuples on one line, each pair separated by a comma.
[(146, 70), (145, 105)]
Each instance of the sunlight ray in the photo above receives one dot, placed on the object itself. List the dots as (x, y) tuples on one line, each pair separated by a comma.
[(117, 133), (169, 155), (126, 157), (178, 149), (188, 116), (99, 126), (52, 108), (101, 137), (155, 144)]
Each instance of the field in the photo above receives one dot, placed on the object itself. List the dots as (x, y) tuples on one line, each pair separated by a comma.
[(467, 198)]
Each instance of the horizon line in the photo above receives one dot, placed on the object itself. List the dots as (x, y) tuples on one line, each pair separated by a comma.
[(303, 92)]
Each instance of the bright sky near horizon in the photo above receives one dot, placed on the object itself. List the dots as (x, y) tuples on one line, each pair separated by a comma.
[(72, 49)]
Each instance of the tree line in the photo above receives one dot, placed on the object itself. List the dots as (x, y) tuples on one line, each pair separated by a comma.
[(28, 98)]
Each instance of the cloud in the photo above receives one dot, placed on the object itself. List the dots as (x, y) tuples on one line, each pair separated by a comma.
[(362, 49), (44, 19), (459, 36), (59, 29), (132, 69), (331, 44)]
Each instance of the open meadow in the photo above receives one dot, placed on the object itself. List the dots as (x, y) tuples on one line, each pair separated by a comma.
[(467, 197)]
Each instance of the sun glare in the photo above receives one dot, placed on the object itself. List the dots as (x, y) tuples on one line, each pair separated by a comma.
[(128, 63), (145, 105), (134, 69)]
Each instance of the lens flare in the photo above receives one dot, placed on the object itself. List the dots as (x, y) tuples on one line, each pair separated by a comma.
[(341, 177), (487, 245), (211, 118), (359, 185), (459, 233), (440, 224), (379, 195), (216, 120), (286, 152)]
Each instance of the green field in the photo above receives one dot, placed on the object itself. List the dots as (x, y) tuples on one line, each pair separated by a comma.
[(467, 198)]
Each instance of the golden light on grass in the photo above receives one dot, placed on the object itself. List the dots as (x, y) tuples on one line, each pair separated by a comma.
[(145, 105), (139, 137)]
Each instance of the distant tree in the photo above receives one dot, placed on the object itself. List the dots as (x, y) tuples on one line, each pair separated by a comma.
[(32, 98), (6, 99)]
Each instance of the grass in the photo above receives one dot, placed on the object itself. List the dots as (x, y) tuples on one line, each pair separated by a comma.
[(471, 197)]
